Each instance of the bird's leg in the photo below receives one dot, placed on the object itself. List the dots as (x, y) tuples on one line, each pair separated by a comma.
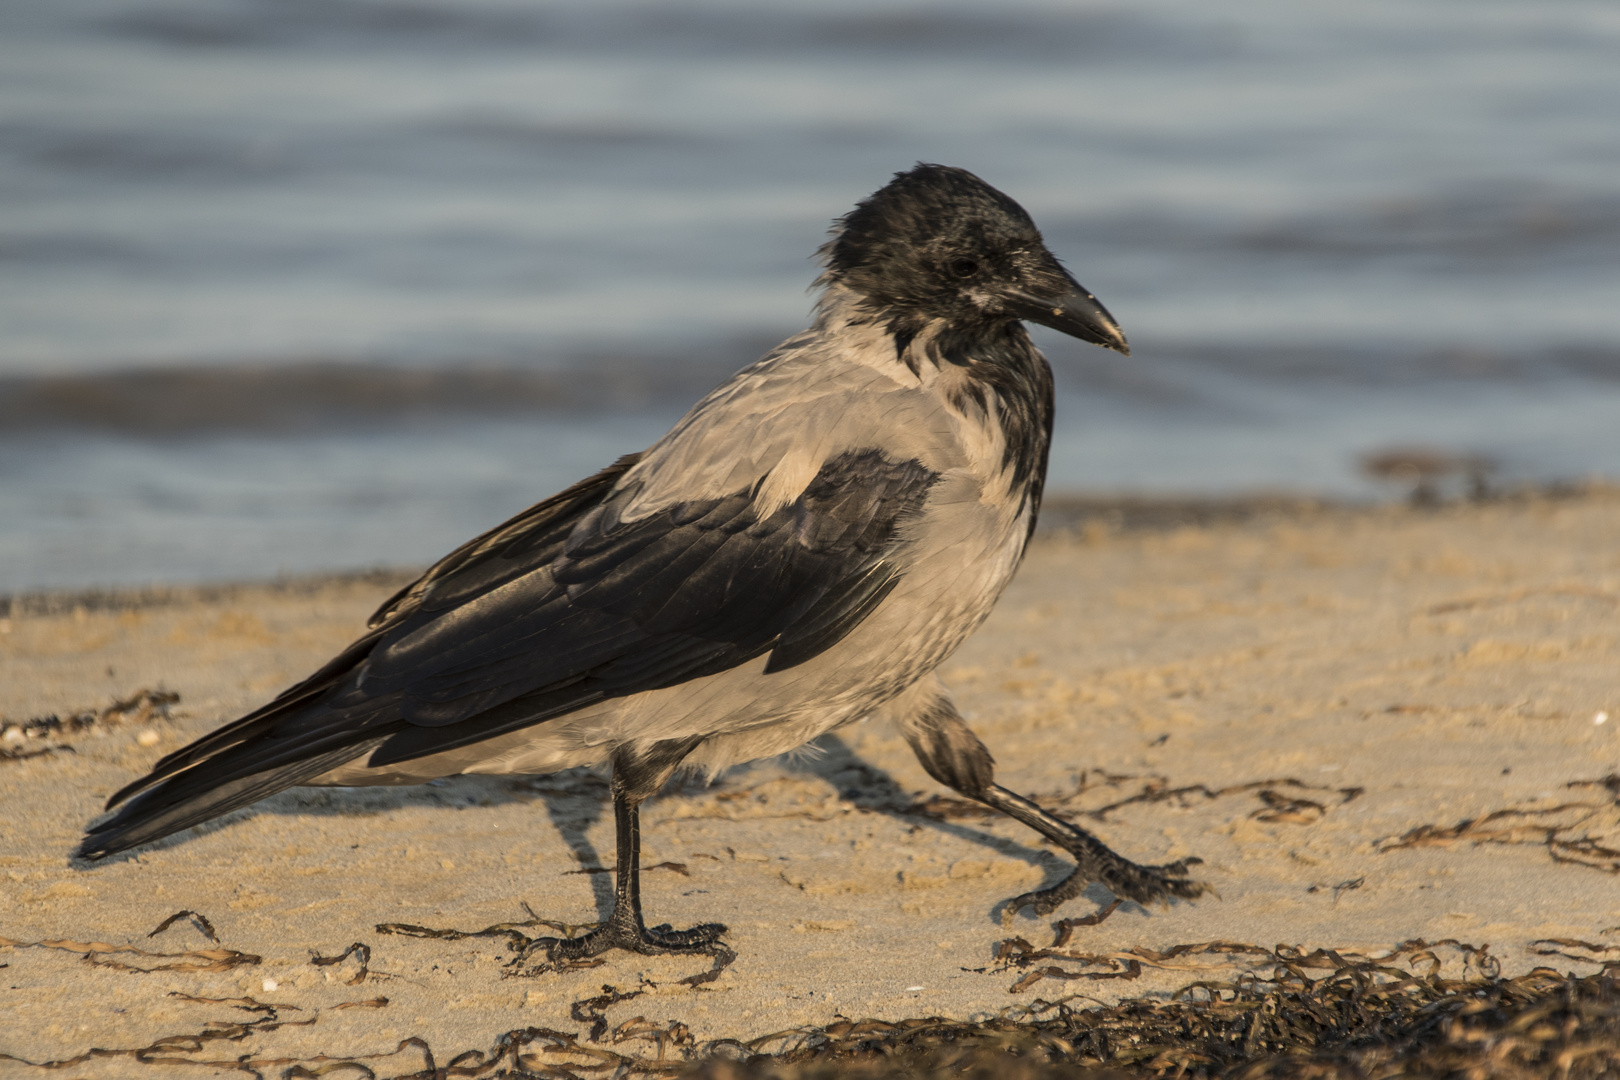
[(1094, 861), (954, 756), (636, 775)]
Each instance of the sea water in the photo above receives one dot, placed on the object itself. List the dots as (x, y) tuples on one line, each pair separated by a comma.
[(305, 285)]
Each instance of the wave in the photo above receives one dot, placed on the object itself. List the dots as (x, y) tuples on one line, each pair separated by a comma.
[(268, 399), (1103, 33), (1471, 229)]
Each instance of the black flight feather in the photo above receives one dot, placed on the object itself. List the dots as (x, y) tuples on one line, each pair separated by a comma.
[(546, 614), (653, 603)]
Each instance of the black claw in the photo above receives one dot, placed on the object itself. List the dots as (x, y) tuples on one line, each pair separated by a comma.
[(617, 935), (1125, 879), (693, 940), (1094, 861)]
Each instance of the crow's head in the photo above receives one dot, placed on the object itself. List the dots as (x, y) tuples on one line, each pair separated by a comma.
[(939, 243)]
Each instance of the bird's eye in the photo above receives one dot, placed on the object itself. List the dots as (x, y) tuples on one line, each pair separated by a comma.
[(964, 267)]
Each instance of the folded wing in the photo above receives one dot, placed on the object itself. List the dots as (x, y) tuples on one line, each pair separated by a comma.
[(627, 606), (562, 606)]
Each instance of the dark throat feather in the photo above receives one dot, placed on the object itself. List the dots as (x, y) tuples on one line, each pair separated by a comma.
[(1002, 364)]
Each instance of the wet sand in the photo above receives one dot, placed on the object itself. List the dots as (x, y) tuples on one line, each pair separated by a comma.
[(1373, 726)]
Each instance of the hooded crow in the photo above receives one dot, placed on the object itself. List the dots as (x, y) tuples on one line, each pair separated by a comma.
[(799, 552)]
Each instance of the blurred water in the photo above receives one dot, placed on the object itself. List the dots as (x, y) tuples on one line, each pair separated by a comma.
[(1326, 228)]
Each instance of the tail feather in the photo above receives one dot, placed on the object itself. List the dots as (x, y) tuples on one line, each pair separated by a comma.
[(295, 748), (328, 720), (257, 723), (287, 741), (157, 814)]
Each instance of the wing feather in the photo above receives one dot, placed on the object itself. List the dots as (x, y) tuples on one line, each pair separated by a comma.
[(566, 604), (685, 592)]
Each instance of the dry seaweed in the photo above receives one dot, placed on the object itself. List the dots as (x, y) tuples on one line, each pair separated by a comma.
[(198, 919), (1364, 1019), (590, 1010), (139, 708), (1276, 806), (1287, 810), (526, 948), (164, 1051), (360, 950), (1582, 833), (1324, 1014), (129, 958), (1342, 887), (511, 931), (368, 1003), (7, 754), (1561, 947), (1018, 953), (1360, 1020)]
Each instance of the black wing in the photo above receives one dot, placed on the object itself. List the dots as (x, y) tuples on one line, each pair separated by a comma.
[(296, 737), (625, 607), (562, 606)]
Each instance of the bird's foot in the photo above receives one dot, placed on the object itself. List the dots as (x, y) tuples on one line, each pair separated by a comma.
[(1129, 881), (1096, 862), (630, 936)]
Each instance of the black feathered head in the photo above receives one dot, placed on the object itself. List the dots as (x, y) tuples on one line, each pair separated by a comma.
[(939, 243)]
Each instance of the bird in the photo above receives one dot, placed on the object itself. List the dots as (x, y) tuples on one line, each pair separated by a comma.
[(799, 552)]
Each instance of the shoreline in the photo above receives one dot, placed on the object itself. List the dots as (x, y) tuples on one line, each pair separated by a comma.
[(1060, 512)]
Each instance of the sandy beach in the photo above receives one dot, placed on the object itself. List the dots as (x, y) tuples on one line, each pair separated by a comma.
[(1375, 726)]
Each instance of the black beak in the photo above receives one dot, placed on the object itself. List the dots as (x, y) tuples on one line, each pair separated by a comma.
[(1074, 312)]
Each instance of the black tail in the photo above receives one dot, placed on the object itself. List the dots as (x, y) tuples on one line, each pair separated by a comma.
[(163, 810), (327, 719), (294, 738)]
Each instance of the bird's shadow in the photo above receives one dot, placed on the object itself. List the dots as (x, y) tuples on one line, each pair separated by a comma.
[(576, 799), (874, 790)]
